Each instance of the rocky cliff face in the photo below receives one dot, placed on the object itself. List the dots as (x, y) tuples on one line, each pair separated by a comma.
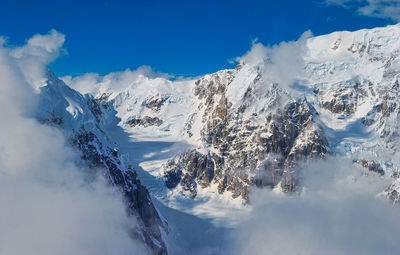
[(246, 146), (82, 118)]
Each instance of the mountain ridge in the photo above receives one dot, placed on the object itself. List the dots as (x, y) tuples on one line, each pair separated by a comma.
[(81, 120)]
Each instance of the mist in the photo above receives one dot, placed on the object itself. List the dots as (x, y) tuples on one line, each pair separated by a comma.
[(282, 63), (48, 205), (337, 211)]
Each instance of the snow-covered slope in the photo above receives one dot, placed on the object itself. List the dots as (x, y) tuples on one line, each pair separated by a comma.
[(150, 108)]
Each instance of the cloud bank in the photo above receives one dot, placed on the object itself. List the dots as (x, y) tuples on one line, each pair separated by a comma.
[(49, 204), (388, 9), (338, 212)]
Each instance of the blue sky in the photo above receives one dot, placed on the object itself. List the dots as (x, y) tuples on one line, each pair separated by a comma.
[(180, 37)]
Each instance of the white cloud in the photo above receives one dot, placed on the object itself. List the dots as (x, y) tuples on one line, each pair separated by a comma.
[(256, 55), (85, 84), (282, 63), (49, 205), (388, 9), (94, 83), (337, 213), (36, 54)]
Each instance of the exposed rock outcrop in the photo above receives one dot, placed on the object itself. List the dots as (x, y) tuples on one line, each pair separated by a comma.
[(146, 121), (371, 166), (155, 103)]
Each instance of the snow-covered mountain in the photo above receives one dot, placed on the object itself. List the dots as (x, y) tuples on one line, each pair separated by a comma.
[(259, 124), (336, 94)]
